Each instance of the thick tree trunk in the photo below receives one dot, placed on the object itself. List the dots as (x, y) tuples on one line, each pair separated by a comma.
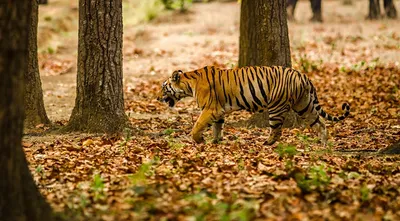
[(264, 39), (35, 112), (99, 104), (19, 197), (390, 9), (316, 7), (374, 10)]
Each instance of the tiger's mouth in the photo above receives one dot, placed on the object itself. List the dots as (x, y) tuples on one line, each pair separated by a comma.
[(171, 102)]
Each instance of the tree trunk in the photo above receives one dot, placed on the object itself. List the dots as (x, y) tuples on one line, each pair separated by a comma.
[(374, 10), (43, 2), (19, 197), (99, 104), (35, 112), (264, 39), (390, 9), (316, 7)]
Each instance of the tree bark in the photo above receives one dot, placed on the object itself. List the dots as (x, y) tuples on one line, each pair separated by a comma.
[(374, 10), (99, 104), (35, 112), (264, 39), (19, 197), (390, 9)]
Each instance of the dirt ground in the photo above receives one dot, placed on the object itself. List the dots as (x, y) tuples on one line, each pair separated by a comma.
[(156, 172)]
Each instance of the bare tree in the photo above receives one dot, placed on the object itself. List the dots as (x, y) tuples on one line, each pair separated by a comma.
[(99, 104), (35, 112), (19, 197), (264, 39)]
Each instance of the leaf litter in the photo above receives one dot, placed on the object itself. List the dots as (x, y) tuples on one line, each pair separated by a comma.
[(154, 171)]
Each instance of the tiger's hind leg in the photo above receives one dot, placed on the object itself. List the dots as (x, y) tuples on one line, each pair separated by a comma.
[(217, 130), (275, 123), (320, 127)]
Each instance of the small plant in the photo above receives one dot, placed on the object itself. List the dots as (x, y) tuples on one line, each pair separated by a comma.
[(168, 131), (315, 178), (97, 187), (39, 170), (145, 170), (308, 65), (240, 164), (127, 136), (173, 144), (204, 206), (50, 50), (286, 151), (176, 4), (127, 133), (365, 193)]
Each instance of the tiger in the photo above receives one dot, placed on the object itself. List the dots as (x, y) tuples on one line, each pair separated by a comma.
[(275, 89)]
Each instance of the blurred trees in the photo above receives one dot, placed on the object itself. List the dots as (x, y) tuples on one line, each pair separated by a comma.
[(375, 9), (19, 197), (390, 9), (173, 4), (316, 7), (35, 112), (264, 39), (99, 104)]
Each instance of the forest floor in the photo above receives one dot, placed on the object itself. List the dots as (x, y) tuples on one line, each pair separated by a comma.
[(154, 171)]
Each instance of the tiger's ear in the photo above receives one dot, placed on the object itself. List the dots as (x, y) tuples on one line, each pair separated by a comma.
[(176, 76)]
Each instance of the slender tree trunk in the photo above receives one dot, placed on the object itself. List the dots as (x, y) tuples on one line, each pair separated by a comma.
[(99, 104), (35, 112), (19, 197), (264, 39), (374, 10), (390, 9), (316, 7)]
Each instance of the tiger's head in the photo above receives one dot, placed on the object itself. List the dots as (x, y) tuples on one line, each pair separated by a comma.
[(174, 89)]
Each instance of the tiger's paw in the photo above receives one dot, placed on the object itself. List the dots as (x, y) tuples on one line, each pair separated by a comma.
[(198, 139), (216, 141), (270, 141)]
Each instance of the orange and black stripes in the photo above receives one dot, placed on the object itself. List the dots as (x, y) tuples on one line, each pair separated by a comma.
[(275, 88)]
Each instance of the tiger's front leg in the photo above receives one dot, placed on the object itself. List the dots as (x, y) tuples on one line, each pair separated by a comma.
[(202, 122), (217, 130)]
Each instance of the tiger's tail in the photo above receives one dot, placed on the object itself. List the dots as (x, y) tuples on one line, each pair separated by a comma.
[(322, 113)]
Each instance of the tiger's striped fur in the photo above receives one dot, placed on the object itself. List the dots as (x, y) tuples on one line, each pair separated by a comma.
[(274, 89)]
